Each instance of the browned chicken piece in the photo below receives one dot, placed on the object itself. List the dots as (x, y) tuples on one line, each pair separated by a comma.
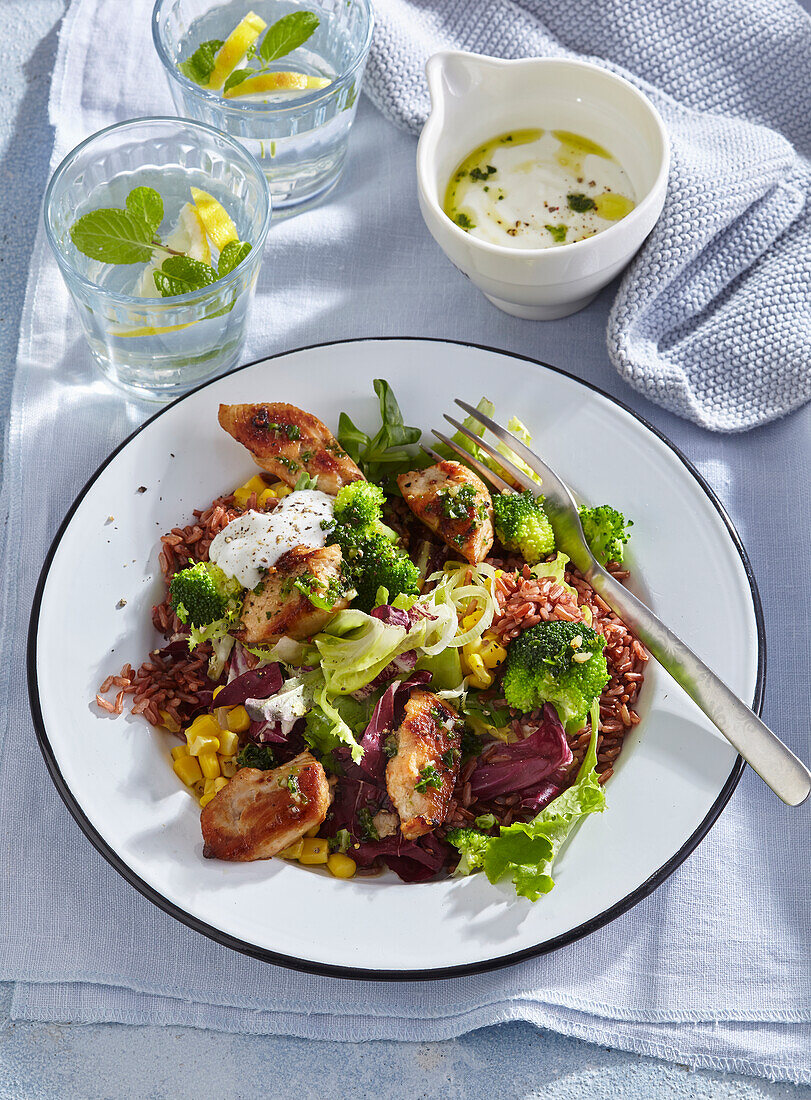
[(277, 607), (259, 814), (454, 502), (420, 778), (288, 442)]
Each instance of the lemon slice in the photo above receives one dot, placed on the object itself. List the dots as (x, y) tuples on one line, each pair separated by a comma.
[(189, 236), (277, 82), (215, 219), (147, 330), (234, 48)]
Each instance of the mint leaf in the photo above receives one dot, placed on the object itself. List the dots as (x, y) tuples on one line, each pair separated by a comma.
[(180, 275), (236, 77), (200, 65), (288, 34), (146, 204), (113, 236), (231, 256)]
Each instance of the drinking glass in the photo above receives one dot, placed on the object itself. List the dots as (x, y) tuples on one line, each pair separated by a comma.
[(158, 347), (299, 138)]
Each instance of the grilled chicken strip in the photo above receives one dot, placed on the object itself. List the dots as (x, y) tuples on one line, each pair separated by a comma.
[(420, 778), (288, 442), (454, 502), (259, 814), (277, 607)]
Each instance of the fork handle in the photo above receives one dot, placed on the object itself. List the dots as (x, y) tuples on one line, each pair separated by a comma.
[(776, 764)]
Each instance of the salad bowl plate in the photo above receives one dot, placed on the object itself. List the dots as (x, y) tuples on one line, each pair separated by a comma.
[(101, 577)]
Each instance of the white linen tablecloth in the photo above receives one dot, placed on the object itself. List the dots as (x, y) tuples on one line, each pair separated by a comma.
[(712, 969)]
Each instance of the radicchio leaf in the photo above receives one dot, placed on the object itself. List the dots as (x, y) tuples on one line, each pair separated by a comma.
[(411, 860), (256, 683), (530, 761), (382, 722)]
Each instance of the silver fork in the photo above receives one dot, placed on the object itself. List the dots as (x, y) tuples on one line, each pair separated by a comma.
[(773, 761)]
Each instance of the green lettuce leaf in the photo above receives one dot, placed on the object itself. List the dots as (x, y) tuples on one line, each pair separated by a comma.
[(525, 852)]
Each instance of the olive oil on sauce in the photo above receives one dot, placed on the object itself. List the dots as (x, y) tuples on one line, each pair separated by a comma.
[(538, 189)]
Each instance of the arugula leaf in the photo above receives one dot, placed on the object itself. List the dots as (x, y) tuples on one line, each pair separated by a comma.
[(200, 65), (236, 77), (386, 454), (231, 256), (181, 274), (146, 204), (113, 236), (287, 34)]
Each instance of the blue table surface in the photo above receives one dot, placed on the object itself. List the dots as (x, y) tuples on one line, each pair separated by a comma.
[(44, 1061)]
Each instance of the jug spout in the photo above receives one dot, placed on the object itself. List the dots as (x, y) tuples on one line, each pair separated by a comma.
[(453, 75)]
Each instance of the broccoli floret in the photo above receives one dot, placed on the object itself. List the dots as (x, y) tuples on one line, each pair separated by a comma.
[(522, 526), (201, 593), (606, 532), (556, 662), (358, 505), (472, 847), (372, 561), (370, 558), (256, 756)]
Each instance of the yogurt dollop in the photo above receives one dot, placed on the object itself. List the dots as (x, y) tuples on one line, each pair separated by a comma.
[(255, 541)]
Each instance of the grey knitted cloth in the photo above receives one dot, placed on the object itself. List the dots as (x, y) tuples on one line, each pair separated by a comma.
[(713, 317)]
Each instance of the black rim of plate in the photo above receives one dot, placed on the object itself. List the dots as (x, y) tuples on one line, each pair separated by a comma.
[(328, 969)]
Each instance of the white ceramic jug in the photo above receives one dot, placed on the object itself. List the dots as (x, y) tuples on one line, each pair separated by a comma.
[(475, 98)]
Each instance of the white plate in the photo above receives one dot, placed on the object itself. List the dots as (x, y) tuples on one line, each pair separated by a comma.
[(674, 776)]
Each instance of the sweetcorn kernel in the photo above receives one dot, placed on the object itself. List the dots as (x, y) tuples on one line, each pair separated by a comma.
[(238, 720), (204, 725), (180, 750), (480, 676), (188, 769), (341, 866), (169, 722), (229, 743), (293, 851), (469, 621), (209, 764), (228, 766), (241, 497), (492, 654), (203, 744), (217, 691), (219, 783), (264, 497), (313, 831), (314, 851), (280, 489)]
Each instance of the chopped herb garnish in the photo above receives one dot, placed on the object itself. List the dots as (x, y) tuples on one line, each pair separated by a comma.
[(256, 756), (456, 500), (464, 222), (319, 594), (390, 746), (292, 785), (449, 758), (367, 826), (479, 174), (580, 203), (429, 777), (558, 232), (341, 841)]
